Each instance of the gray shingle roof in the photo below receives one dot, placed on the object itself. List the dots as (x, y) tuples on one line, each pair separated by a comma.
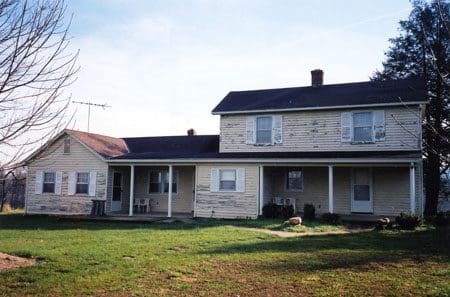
[(408, 91)]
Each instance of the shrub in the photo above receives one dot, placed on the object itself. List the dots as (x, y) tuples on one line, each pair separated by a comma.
[(309, 212), (331, 218), (442, 219), (408, 221), (274, 211)]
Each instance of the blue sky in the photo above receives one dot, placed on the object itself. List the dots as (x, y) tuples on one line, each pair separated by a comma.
[(164, 65)]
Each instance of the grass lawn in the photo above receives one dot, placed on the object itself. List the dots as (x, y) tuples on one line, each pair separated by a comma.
[(315, 226), (207, 259)]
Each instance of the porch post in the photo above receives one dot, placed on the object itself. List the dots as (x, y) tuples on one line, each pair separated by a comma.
[(169, 198), (330, 189), (131, 190), (261, 188), (412, 188)]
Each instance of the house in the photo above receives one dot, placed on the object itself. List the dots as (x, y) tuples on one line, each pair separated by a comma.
[(352, 149)]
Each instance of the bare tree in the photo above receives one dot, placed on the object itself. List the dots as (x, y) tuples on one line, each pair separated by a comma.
[(34, 69)]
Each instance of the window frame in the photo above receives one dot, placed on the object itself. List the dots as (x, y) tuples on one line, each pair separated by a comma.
[(372, 129), (265, 130), (44, 182), (162, 176), (287, 179), (84, 183), (221, 170)]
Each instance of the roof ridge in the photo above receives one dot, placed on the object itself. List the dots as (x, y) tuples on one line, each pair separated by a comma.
[(329, 85)]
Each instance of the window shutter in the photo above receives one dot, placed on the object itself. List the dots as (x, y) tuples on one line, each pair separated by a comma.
[(72, 183), (39, 182), (250, 132), (240, 180), (379, 129), (214, 180), (92, 183), (58, 182), (277, 129), (346, 127)]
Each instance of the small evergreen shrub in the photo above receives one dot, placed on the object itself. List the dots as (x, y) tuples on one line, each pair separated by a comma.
[(274, 211), (287, 211), (331, 218), (309, 212), (408, 221), (442, 219)]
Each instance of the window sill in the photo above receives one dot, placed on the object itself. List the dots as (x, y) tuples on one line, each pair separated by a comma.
[(362, 142)]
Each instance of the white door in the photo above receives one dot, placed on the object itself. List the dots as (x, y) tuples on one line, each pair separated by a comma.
[(362, 200), (116, 204)]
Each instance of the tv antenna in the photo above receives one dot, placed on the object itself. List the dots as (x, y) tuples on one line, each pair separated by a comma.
[(89, 104)]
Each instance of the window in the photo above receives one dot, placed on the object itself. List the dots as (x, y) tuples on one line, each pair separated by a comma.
[(264, 130), (363, 127), (49, 182), (174, 182), (82, 186), (159, 182), (294, 179), (227, 178), (361, 184), (67, 145), (155, 182)]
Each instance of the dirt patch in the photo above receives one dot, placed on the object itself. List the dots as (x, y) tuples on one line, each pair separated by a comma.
[(8, 262), (287, 234)]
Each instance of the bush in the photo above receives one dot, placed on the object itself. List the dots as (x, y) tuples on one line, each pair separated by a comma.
[(442, 219), (309, 212), (331, 218), (274, 211), (408, 221)]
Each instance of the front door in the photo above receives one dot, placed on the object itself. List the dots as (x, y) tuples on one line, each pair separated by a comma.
[(116, 204), (362, 200)]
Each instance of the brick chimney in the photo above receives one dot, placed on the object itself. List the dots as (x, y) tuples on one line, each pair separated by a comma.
[(191, 132), (316, 78)]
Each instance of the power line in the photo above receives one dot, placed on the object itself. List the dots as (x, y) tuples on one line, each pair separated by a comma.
[(89, 104)]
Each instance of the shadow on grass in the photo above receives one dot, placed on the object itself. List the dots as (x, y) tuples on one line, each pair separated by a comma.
[(424, 242), (41, 222)]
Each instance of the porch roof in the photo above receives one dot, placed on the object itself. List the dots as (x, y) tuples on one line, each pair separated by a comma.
[(186, 155)]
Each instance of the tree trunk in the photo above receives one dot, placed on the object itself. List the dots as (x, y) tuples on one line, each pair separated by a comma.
[(432, 182)]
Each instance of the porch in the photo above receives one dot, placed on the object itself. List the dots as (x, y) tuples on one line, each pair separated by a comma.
[(351, 190), (156, 191)]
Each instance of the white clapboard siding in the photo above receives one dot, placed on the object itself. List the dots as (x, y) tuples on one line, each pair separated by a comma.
[(277, 129), (80, 159), (379, 125), (250, 134), (227, 204), (240, 180), (320, 130), (215, 179), (58, 182), (92, 183), (39, 182)]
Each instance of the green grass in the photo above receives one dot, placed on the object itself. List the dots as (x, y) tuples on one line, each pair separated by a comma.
[(216, 259)]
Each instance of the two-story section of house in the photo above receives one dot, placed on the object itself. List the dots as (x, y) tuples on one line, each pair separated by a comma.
[(352, 149)]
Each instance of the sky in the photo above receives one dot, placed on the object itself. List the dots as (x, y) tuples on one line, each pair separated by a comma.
[(163, 66)]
